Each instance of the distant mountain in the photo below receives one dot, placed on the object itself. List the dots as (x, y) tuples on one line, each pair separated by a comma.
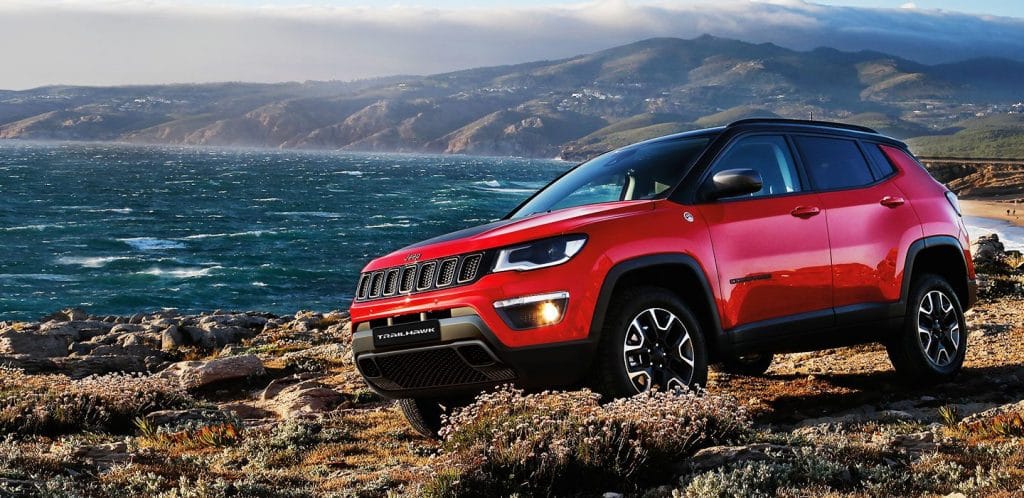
[(574, 108)]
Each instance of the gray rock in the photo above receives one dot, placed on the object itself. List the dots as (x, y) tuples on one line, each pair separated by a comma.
[(200, 337), (104, 455), (126, 328), (84, 366), (717, 456), (171, 338), (66, 315), (34, 343), (195, 374)]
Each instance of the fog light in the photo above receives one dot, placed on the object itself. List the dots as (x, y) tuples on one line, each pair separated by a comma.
[(533, 311)]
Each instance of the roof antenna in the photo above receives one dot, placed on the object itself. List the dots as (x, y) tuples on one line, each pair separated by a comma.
[(811, 113)]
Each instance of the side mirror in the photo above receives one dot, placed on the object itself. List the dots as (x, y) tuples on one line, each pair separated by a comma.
[(732, 182)]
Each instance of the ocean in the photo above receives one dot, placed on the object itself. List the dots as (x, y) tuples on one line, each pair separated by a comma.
[(118, 229)]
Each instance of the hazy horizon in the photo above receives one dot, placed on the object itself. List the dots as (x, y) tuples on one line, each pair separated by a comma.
[(140, 42)]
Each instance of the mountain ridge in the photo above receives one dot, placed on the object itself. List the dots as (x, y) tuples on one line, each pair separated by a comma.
[(574, 107)]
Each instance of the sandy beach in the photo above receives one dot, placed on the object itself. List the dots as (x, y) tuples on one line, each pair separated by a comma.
[(1000, 210)]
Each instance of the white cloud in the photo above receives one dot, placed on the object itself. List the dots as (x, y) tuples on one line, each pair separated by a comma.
[(909, 5), (150, 41)]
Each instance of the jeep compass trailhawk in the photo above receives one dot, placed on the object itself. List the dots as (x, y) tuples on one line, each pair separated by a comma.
[(639, 268)]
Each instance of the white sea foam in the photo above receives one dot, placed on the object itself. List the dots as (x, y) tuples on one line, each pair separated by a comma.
[(349, 172), (152, 244), (179, 272), (111, 210), (259, 284), (91, 262), (268, 199), (316, 214), (252, 233), (37, 276), (1010, 235)]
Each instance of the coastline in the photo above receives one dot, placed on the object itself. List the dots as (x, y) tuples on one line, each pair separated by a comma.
[(995, 210)]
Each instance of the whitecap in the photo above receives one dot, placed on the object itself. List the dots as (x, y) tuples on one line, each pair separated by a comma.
[(316, 214), (253, 233), (111, 210), (151, 244), (178, 272), (37, 276), (90, 262), (268, 199), (259, 284)]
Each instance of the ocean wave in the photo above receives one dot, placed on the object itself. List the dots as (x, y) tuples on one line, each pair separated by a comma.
[(37, 276), (250, 233), (259, 284), (39, 227), (1010, 235), (390, 225), (151, 244), (316, 214), (179, 272), (349, 172), (91, 262), (268, 199), (110, 210)]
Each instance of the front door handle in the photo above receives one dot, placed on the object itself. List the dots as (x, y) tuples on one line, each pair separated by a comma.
[(805, 211), (891, 201)]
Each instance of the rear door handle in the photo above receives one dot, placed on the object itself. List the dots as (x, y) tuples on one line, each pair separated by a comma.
[(890, 201), (805, 211)]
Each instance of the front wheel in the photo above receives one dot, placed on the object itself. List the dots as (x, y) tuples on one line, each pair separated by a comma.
[(932, 344), (650, 340)]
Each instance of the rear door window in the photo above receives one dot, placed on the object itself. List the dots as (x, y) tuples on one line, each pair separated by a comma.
[(880, 164), (833, 163)]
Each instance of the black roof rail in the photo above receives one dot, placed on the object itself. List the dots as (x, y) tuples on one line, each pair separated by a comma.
[(826, 124)]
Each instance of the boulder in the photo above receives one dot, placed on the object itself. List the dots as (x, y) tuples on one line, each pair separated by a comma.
[(171, 338), (104, 455), (304, 399), (42, 345), (717, 456), (195, 374), (84, 366), (66, 315)]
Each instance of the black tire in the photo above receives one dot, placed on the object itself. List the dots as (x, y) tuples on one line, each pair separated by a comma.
[(424, 415), (611, 376), (915, 355), (754, 365)]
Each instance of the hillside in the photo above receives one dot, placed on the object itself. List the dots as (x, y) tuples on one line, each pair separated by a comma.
[(574, 108)]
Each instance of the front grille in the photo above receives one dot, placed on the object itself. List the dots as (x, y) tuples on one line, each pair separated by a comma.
[(421, 277), (446, 272), (432, 367)]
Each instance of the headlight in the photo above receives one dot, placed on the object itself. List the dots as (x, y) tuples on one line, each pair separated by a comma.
[(539, 253)]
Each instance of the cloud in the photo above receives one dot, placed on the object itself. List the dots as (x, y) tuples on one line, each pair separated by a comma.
[(150, 41)]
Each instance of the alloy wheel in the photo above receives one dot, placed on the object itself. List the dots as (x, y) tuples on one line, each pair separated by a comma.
[(658, 351), (938, 328)]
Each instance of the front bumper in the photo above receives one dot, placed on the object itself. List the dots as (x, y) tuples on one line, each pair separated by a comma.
[(465, 360)]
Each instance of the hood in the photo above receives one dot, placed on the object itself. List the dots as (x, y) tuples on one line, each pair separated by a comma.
[(510, 232)]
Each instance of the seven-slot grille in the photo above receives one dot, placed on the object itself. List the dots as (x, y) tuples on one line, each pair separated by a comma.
[(419, 277)]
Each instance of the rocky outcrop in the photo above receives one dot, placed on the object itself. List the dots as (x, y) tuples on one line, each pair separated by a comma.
[(79, 345), (196, 374)]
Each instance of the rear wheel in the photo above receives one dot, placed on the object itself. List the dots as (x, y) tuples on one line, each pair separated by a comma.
[(651, 339), (749, 364), (932, 343), (424, 415)]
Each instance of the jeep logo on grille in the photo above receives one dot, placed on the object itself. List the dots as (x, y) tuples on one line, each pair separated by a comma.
[(412, 257)]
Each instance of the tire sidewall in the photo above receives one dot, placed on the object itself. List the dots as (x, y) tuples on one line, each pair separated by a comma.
[(628, 306)]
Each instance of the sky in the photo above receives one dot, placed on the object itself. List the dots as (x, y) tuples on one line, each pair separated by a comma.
[(117, 42)]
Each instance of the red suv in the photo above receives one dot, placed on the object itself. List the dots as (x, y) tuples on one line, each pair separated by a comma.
[(642, 266)]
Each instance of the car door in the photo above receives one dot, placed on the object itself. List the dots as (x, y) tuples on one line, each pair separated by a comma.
[(870, 223), (771, 247)]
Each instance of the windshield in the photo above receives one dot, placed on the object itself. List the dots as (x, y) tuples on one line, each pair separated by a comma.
[(632, 173)]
